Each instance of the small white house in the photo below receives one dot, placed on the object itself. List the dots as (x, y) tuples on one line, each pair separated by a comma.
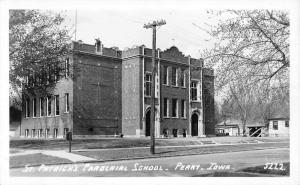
[(279, 127)]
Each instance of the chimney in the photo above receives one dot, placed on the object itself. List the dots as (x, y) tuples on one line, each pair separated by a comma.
[(98, 46)]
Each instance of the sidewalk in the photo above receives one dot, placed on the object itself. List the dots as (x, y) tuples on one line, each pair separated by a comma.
[(56, 153)]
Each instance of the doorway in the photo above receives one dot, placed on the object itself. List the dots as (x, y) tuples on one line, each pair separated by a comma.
[(148, 116), (194, 125)]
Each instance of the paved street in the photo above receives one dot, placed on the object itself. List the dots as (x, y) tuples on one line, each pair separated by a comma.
[(193, 165)]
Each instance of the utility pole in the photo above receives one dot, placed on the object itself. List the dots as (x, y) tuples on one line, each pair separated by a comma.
[(153, 25)]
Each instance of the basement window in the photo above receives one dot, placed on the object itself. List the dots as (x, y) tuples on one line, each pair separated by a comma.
[(55, 131)]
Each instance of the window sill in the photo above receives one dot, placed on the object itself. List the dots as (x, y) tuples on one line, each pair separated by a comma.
[(166, 117), (196, 101), (167, 85), (175, 117), (175, 86), (183, 117)]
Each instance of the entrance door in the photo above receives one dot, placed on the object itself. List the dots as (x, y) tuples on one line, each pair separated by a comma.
[(194, 125), (147, 131)]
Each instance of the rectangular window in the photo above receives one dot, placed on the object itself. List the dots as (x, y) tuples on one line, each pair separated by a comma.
[(165, 75), (27, 108), (67, 67), (287, 124), (49, 106), (47, 132), (66, 130), (183, 108), (182, 78), (42, 110), (55, 130), (26, 133), (67, 102), (34, 107), (174, 81), (174, 108), (275, 125), (194, 91), (56, 105), (166, 107), (32, 133), (148, 81)]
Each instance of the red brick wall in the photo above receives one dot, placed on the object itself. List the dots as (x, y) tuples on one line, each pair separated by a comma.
[(97, 95)]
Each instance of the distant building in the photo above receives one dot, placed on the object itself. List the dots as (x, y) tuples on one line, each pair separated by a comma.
[(229, 128), (256, 129), (110, 94), (279, 127)]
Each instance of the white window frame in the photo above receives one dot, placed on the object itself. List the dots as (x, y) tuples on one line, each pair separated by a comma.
[(168, 108), (67, 103), (47, 106), (184, 78), (56, 97), (176, 77), (198, 93), (34, 108), (66, 130), (27, 108), (33, 133), (184, 108), (42, 105), (167, 80), (147, 81), (26, 133)]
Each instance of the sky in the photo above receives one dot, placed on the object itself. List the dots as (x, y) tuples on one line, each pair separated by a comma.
[(124, 28)]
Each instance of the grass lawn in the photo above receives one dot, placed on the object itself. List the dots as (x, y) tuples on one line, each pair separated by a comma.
[(35, 159), (165, 152), (60, 144)]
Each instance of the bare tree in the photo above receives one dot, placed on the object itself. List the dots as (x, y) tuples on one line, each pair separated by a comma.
[(251, 45), (251, 62)]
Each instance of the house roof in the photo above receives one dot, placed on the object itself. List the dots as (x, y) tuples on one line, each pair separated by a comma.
[(279, 118)]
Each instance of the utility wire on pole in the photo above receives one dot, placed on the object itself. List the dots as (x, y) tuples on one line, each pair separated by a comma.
[(153, 25)]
